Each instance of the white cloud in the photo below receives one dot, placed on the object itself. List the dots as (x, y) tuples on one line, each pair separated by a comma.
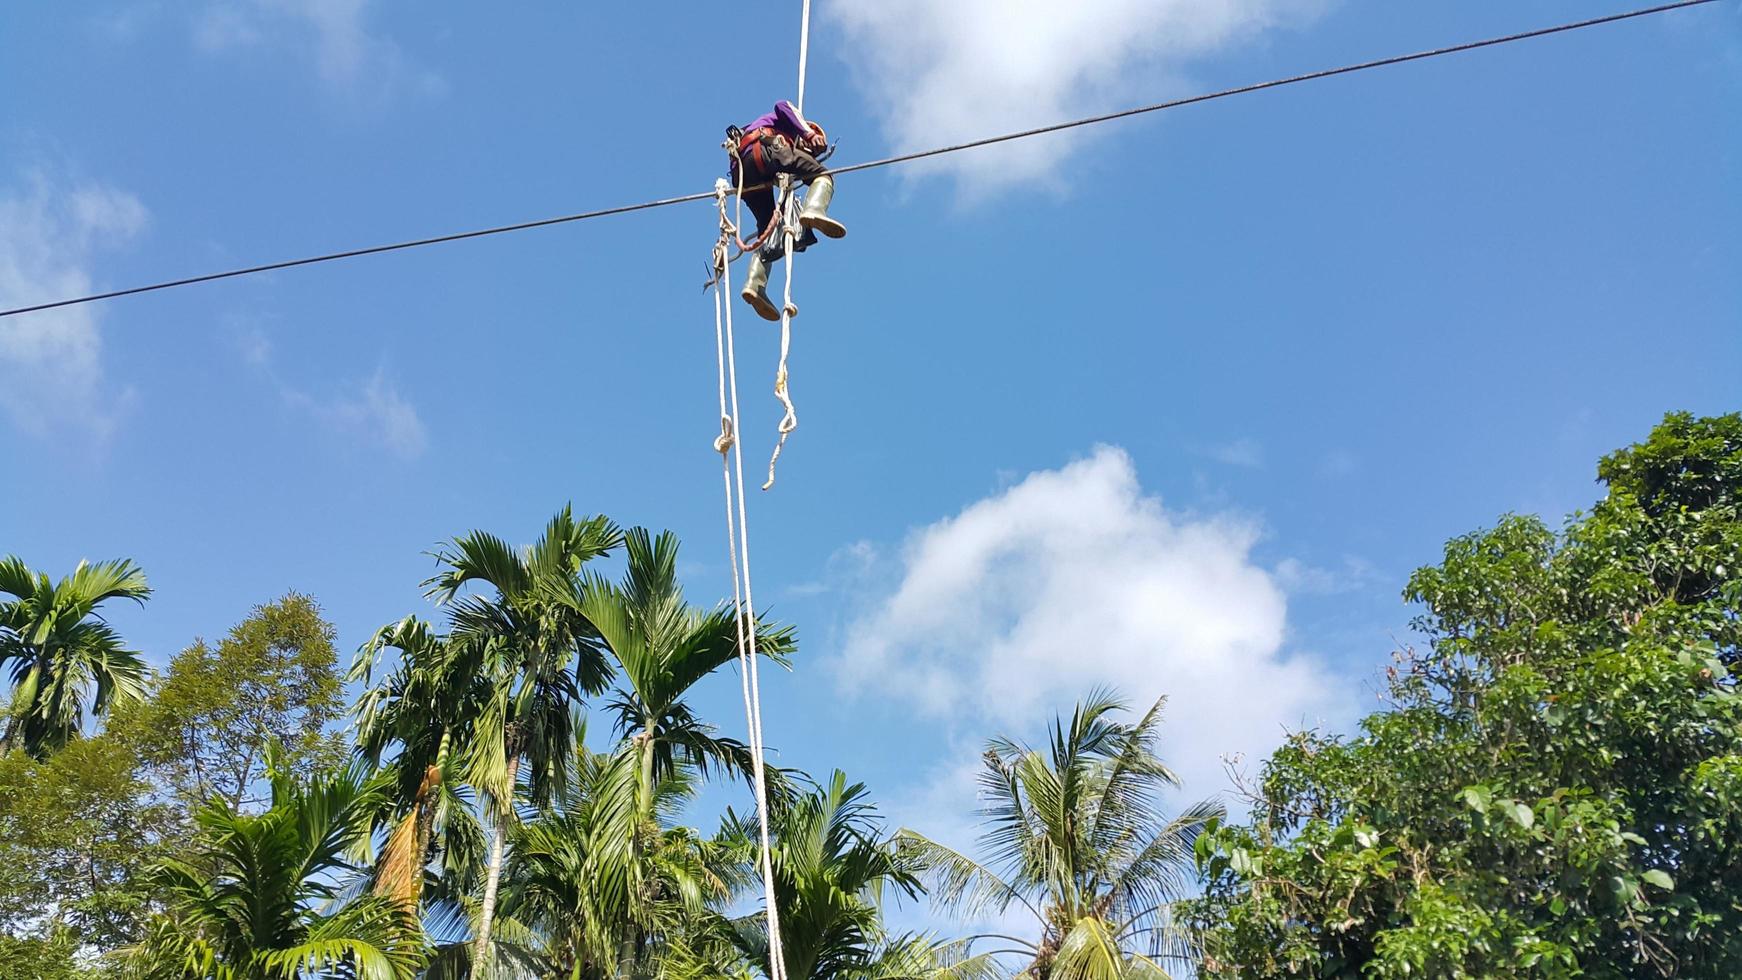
[(375, 414), (1338, 463), (51, 363), (1300, 578), (381, 414), (254, 346), (1245, 453), (124, 23), (939, 73), (336, 34), (1073, 578), (845, 569)]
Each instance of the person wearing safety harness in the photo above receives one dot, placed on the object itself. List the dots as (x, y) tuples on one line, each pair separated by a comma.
[(781, 142)]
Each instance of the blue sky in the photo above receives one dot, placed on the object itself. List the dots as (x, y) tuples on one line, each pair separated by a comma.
[(1176, 403)]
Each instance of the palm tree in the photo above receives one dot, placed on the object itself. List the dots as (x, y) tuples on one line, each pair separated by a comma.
[(1076, 838), (536, 654), (256, 897), (832, 868), (607, 885), (664, 646), (57, 648), (610, 876), (407, 725)]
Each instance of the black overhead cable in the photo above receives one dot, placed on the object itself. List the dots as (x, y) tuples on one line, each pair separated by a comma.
[(885, 162)]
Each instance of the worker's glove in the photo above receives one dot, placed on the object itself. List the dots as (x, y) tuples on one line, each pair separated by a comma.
[(815, 141)]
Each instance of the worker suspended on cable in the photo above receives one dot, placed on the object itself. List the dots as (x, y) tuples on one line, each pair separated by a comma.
[(781, 142)]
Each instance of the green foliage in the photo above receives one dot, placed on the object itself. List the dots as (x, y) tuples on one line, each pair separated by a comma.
[(662, 647), (54, 956), (1076, 837), (1556, 790), (504, 681), (514, 626), (834, 868), (59, 651), (256, 897), (211, 718), (76, 831), (408, 724), (608, 884)]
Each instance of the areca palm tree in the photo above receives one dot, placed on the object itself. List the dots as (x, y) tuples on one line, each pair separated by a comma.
[(256, 898), (664, 646), (536, 655), (607, 884), (408, 724), (834, 868), (1076, 838), (58, 650), (831, 869)]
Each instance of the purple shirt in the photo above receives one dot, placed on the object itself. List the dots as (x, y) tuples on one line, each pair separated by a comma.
[(784, 120)]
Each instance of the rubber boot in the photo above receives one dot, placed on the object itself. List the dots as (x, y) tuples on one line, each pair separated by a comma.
[(815, 216), (756, 289)]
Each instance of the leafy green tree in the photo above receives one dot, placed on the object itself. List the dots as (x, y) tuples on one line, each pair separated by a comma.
[(54, 956), (1075, 836), (523, 634), (1556, 789), (211, 717), (258, 897), (59, 651), (76, 832)]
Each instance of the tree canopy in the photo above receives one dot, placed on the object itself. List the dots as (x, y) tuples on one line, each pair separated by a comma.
[(1552, 789), (1556, 787)]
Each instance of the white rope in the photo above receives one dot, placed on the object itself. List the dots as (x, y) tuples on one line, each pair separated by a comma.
[(789, 421), (789, 209), (732, 475), (804, 47), (743, 602)]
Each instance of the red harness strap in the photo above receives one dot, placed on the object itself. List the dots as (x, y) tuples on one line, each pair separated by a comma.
[(750, 148)]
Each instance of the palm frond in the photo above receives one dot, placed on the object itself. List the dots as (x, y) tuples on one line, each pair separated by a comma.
[(958, 883), (1090, 951)]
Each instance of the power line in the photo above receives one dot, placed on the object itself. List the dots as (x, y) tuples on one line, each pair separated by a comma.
[(873, 164), (1278, 83)]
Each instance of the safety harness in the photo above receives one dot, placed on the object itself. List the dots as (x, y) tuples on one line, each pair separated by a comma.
[(750, 149)]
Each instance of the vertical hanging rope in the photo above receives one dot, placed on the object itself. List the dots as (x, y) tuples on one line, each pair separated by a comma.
[(738, 530), (789, 208), (789, 421), (732, 475), (804, 48)]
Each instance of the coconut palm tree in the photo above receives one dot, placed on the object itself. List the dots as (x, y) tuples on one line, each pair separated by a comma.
[(663, 647), (256, 897), (1076, 838), (537, 656), (57, 649)]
